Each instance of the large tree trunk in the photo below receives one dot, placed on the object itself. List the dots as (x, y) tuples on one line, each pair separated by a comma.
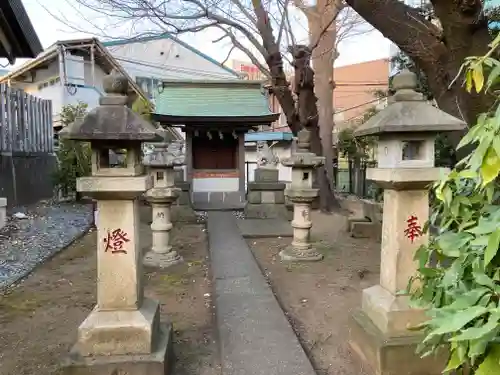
[(439, 52), (322, 31), (308, 117), (280, 86)]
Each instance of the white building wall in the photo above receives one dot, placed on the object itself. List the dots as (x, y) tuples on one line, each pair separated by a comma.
[(47, 84), (88, 95), (165, 59), (281, 150), (74, 69), (94, 79)]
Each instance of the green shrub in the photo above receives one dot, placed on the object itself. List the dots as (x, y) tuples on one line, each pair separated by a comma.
[(74, 157), (459, 270)]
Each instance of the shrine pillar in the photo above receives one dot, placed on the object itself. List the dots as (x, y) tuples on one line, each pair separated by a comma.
[(407, 128), (123, 333)]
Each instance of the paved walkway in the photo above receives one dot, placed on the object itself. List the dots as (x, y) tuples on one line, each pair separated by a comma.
[(255, 336)]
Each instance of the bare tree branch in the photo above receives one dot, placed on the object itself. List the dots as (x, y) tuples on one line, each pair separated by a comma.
[(243, 49), (228, 55), (284, 19)]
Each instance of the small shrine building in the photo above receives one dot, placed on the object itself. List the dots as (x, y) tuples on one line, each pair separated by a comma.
[(214, 116)]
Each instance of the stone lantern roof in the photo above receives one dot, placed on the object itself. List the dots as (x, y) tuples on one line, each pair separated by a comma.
[(163, 154), (112, 120), (408, 111)]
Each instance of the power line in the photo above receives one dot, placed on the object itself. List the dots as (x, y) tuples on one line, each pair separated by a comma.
[(344, 110), (170, 67), (358, 106), (361, 84)]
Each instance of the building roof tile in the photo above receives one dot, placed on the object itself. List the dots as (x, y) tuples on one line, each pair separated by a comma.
[(212, 99)]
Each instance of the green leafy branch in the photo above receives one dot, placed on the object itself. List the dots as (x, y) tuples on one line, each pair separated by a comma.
[(458, 274), (74, 158)]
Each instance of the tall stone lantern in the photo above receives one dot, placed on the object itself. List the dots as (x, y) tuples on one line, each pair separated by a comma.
[(301, 194), (122, 334), (161, 165), (407, 130)]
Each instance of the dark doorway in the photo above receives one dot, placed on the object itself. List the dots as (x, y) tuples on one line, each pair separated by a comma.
[(215, 153)]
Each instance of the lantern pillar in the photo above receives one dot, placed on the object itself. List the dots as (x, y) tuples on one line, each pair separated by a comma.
[(161, 197), (380, 331), (301, 194), (123, 333)]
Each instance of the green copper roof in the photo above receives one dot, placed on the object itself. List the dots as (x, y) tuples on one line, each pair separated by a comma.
[(212, 99)]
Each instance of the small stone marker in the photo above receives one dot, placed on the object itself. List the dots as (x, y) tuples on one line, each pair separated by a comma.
[(407, 129), (266, 195), (161, 165), (302, 194), (123, 332)]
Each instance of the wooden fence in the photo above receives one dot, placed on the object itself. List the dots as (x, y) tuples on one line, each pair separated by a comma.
[(25, 123)]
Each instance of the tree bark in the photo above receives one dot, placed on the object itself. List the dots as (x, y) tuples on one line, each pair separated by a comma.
[(322, 31), (279, 84), (439, 52), (308, 117)]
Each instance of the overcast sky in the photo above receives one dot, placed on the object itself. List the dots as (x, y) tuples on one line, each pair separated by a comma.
[(369, 46)]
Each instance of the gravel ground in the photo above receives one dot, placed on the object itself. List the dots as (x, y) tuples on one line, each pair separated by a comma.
[(46, 228)]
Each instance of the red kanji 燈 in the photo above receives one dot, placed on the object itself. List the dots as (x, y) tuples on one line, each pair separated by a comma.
[(115, 241), (413, 229)]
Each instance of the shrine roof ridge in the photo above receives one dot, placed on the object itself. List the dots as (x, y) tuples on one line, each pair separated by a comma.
[(218, 101), (213, 82)]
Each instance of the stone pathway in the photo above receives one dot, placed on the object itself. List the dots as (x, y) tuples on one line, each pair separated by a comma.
[(255, 336)]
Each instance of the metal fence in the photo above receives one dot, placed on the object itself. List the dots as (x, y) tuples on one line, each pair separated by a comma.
[(350, 180), (27, 162)]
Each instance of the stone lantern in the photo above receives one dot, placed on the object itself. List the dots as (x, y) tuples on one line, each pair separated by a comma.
[(161, 165), (407, 130), (301, 194), (123, 333)]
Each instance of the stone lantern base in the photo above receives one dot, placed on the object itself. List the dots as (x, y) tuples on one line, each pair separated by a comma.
[(161, 253), (294, 254), (391, 355), (182, 208), (159, 362), (301, 249), (162, 260)]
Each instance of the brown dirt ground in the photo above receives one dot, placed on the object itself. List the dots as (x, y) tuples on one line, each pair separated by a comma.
[(319, 297), (39, 318)]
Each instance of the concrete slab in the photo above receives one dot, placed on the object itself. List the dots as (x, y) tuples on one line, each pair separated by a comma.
[(218, 206), (227, 261), (255, 336), (264, 228)]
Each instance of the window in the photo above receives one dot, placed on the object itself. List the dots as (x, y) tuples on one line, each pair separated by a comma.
[(50, 82), (215, 153)]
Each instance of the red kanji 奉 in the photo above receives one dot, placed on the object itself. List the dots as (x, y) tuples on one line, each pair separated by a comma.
[(413, 229)]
